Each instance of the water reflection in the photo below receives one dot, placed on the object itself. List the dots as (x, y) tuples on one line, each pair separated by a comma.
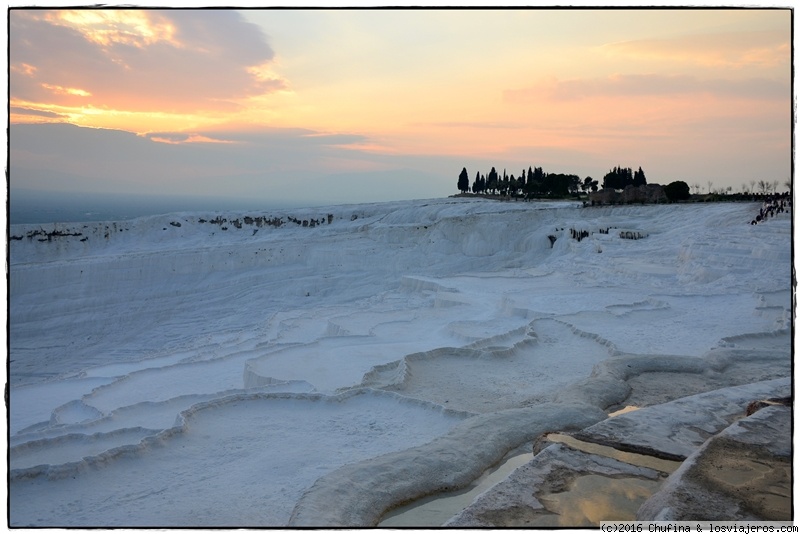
[(434, 510), (621, 411), (591, 499), (586, 501), (639, 460)]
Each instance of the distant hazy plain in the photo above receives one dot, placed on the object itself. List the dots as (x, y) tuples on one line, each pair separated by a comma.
[(39, 207)]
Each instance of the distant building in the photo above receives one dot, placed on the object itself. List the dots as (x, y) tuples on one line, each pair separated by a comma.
[(650, 193), (632, 194), (605, 196)]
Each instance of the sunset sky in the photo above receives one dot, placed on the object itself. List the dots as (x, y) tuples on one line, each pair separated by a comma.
[(308, 105)]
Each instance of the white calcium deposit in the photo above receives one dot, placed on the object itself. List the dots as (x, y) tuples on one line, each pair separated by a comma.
[(319, 366)]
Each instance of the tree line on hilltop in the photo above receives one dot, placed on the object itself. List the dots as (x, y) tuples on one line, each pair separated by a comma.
[(535, 183)]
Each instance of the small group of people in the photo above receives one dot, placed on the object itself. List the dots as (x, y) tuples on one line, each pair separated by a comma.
[(772, 206), (578, 234)]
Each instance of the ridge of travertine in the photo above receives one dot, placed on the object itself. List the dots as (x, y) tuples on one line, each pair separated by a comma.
[(687, 425), (744, 473)]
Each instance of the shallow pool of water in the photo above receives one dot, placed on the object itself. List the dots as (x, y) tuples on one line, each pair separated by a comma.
[(434, 510)]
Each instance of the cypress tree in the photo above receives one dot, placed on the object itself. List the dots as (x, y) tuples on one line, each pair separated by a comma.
[(463, 181)]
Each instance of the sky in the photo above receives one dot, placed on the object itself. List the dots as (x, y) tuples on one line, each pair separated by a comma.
[(316, 106)]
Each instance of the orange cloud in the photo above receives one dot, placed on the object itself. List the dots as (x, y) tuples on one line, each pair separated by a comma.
[(86, 114), (737, 50), (116, 26), (66, 90), (184, 139), (24, 69), (627, 86), (25, 115)]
